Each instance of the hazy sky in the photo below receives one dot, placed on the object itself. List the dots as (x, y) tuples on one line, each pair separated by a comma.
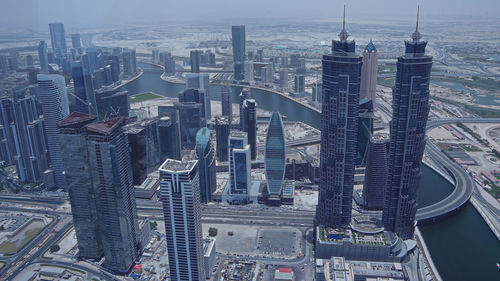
[(81, 13)]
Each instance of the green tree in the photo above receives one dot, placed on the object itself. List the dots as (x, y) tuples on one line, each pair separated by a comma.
[(54, 248), (212, 232)]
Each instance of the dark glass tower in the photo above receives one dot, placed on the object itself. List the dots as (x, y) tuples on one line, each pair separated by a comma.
[(169, 134), (376, 171), (238, 33), (339, 127), (227, 105), (206, 164), (84, 89), (250, 119), (365, 129), (275, 155), (222, 129), (410, 110), (57, 38)]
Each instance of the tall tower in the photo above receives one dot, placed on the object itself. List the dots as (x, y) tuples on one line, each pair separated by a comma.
[(239, 163), (43, 57), (238, 38), (76, 42), (222, 129), (82, 195), (201, 81), (180, 196), (84, 88), (275, 155), (110, 167), (369, 73), (191, 108), (339, 125), (376, 171), (206, 164), (250, 119), (58, 38), (410, 107), (54, 101), (195, 61), (227, 105)]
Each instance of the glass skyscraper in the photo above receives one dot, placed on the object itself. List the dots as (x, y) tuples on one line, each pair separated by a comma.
[(250, 121), (58, 38), (238, 38), (54, 100), (376, 172), (180, 196), (83, 88), (410, 110), (239, 163), (222, 129), (206, 164), (275, 155), (43, 56), (339, 127)]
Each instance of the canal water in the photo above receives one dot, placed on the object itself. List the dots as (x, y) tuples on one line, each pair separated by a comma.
[(462, 246)]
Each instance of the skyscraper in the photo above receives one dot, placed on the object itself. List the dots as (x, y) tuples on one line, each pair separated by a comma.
[(365, 129), (376, 171), (266, 76), (284, 78), (206, 164), (245, 94), (43, 57), (111, 172), (54, 101), (222, 129), (410, 107), (369, 73), (226, 103), (201, 81), (250, 117), (57, 38), (129, 62), (76, 42), (341, 79), (248, 68), (180, 196), (238, 38), (275, 155), (195, 61), (191, 109), (83, 88), (169, 135), (82, 195), (239, 163)]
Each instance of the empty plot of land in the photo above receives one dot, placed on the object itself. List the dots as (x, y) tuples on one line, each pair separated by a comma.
[(16, 243)]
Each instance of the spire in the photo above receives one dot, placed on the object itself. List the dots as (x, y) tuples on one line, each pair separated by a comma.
[(343, 34), (416, 36)]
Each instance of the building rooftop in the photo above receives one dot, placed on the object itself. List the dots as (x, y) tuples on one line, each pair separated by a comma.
[(370, 47), (337, 235), (173, 165), (237, 134), (105, 127), (76, 118)]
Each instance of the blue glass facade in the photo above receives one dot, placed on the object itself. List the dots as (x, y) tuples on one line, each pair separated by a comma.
[(339, 129), (206, 164), (275, 155), (410, 105), (238, 33), (84, 89)]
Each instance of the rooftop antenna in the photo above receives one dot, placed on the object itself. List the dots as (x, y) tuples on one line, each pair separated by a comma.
[(343, 34), (416, 36)]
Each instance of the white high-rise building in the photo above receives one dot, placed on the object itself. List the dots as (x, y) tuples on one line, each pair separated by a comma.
[(180, 196), (239, 164), (369, 73), (54, 100), (248, 66)]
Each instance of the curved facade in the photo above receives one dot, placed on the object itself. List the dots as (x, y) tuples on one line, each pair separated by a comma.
[(275, 155), (206, 164), (376, 172)]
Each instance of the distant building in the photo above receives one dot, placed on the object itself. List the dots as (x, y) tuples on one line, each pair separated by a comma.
[(169, 63), (43, 57), (238, 39), (341, 79), (129, 62), (226, 102), (111, 103), (239, 163), (76, 42), (250, 117), (376, 172), (317, 92), (301, 66), (191, 115), (180, 196), (222, 129), (83, 88), (299, 84), (206, 164), (284, 78), (58, 38), (410, 107), (144, 148), (54, 102), (155, 56), (369, 73), (201, 81), (245, 94), (267, 75), (248, 66), (169, 135), (195, 61), (275, 156)]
